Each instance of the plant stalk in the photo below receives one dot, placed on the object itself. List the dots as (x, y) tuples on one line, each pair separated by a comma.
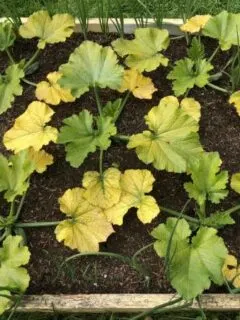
[(159, 307), (122, 106), (99, 105), (213, 86), (10, 56), (178, 214), (214, 54), (29, 82), (32, 59), (36, 224)]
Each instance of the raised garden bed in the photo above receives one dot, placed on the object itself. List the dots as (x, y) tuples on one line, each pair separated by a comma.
[(219, 131)]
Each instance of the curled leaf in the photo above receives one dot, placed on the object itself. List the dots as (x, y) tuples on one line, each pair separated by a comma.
[(192, 107), (7, 35), (186, 77), (105, 191), (41, 159), (235, 100), (10, 86), (209, 183), (143, 52), (48, 30), (81, 136), (140, 86), (51, 92), (195, 24), (231, 271), (87, 226), (134, 185), (235, 182), (14, 174), (30, 129)]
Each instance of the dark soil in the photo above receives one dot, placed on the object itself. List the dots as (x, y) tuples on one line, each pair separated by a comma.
[(220, 131)]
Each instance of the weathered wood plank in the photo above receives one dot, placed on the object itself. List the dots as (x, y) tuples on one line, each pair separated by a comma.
[(99, 303)]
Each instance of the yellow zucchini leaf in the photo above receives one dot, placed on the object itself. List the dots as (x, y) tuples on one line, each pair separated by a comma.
[(51, 92), (30, 130), (87, 226)]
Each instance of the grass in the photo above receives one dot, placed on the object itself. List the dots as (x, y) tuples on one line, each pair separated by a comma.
[(170, 8)]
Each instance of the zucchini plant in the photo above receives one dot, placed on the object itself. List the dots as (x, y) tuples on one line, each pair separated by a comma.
[(195, 254)]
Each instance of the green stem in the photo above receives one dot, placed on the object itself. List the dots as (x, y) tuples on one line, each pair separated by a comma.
[(34, 57), (232, 210), (10, 56), (177, 37), (214, 54), (122, 106), (178, 214), (101, 164), (161, 306), (29, 82), (12, 209), (121, 137), (136, 254), (36, 224), (99, 105), (19, 209), (213, 86)]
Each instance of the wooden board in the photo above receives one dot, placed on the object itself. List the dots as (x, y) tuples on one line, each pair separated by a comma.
[(99, 303), (172, 25)]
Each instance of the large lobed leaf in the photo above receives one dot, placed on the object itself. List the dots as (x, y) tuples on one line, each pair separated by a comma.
[(48, 30), (186, 77), (12, 275), (143, 52), (10, 86), (171, 141), (14, 174), (80, 137), (105, 191), (91, 65), (51, 92), (140, 86), (30, 130), (134, 186), (87, 226), (225, 27), (7, 36), (209, 183), (192, 264)]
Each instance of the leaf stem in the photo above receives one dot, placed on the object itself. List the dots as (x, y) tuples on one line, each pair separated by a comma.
[(153, 310), (99, 105), (178, 214), (121, 137), (232, 210), (36, 224), (122, 107), (10, 56), (101, 164), (19, 209), (12, 209), (213, 86), (214, 54), (29, 82), (136, 254), (32, 59)]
